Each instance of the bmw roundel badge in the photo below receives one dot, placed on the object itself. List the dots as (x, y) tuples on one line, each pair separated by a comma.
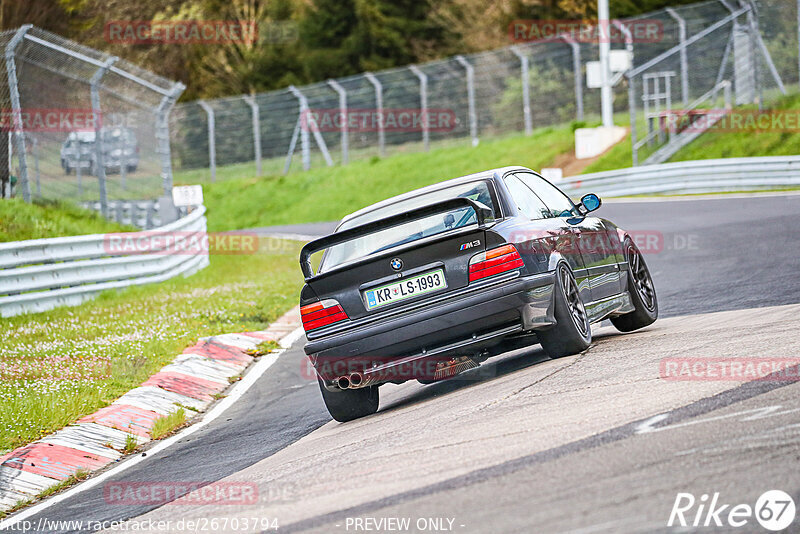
[(397, 264)]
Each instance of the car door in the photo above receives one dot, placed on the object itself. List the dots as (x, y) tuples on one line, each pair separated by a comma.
[(547, 230), (594, 242)]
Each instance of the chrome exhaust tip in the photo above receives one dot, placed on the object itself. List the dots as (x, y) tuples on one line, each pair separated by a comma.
[(355, 380), (343, 382)]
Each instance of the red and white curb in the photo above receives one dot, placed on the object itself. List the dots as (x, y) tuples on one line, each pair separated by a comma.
[(192, 380)]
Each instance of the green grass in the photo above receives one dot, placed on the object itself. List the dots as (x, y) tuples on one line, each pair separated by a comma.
[(20, 221), (742, 144), (131, 444), (714, 145), (167, 424), (60, 365), (80, 474), (328, 193)]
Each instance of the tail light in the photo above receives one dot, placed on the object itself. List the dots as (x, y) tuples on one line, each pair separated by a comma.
[(495, 261), (321, 314)]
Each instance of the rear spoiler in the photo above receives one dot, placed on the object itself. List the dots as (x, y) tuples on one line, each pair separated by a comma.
[(481, 211)]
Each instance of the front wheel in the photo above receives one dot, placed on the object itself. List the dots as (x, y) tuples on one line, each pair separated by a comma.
[(642, 293), (571, 334), (348, 404)]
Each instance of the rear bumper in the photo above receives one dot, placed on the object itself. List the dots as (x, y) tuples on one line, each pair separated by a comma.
[(462, 325)]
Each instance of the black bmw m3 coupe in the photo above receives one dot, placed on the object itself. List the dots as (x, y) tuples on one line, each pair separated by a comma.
[(431, 283)]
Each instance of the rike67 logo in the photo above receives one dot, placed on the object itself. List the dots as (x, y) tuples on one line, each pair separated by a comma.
[(774, 510)]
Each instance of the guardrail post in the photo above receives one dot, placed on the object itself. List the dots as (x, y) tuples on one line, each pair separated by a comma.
[(310, 124), (162, 134), (343, 111), (576, 70), (256, 118), (16, 110), (99, 155), (423, 101), (473, 117), (684, 61), (526, 99), (379, 108), (212, 147)]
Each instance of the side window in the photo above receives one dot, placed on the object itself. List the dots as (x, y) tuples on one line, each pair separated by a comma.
[(529, 204), (556, 201)]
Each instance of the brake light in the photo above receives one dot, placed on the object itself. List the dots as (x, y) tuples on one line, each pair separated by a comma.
[(495, 261), (321, 314)]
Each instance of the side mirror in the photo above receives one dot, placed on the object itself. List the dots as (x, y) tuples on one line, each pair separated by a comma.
[(590, 202)]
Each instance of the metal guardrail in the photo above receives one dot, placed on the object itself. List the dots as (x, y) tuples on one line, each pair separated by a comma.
[(41, 274), (699, 176)]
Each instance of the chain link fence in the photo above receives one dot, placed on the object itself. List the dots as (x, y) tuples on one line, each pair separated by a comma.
[(527, 85), (81, 124)]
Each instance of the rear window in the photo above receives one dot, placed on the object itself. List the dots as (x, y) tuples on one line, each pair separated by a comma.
[(406, 233)]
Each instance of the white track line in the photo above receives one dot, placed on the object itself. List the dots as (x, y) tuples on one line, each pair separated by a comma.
[(241, 387)]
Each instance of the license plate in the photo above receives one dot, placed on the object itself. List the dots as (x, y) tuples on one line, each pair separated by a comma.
[(404, 289)]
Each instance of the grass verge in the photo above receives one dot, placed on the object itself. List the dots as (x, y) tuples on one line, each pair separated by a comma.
[(718, 144), (58, 366), (328, 193), (20, 221)]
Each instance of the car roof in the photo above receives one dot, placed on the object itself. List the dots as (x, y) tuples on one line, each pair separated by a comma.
[(483, 175)]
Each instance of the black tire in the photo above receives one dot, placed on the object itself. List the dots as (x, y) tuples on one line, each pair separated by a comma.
[(66, 167), (572, 333), (641, 290), (349, 404), (131, 168)]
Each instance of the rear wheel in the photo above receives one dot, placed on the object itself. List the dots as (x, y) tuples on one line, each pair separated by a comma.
[(642, 292), (348, 404), (571, 334)]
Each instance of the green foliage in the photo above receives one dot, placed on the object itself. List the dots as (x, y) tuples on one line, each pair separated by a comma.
[(20, 221), (328, 193), (720, 144), (167, 424), (60, 365)]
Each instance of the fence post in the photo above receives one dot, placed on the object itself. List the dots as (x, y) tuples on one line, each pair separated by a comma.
[(526, 100), (423, 101), (162, 134), (35, 149), (310, 124), (16, 110), (576, 68), (684, 61), (99, 156), (212, 146), (473, 118), (379, 105), (343, 111), (256, 118), (632, 111)]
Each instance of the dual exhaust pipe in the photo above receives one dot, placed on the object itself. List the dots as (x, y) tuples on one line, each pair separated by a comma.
[(354, 381)]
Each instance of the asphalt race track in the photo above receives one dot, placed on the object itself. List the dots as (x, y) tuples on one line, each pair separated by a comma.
[(591, 443)]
